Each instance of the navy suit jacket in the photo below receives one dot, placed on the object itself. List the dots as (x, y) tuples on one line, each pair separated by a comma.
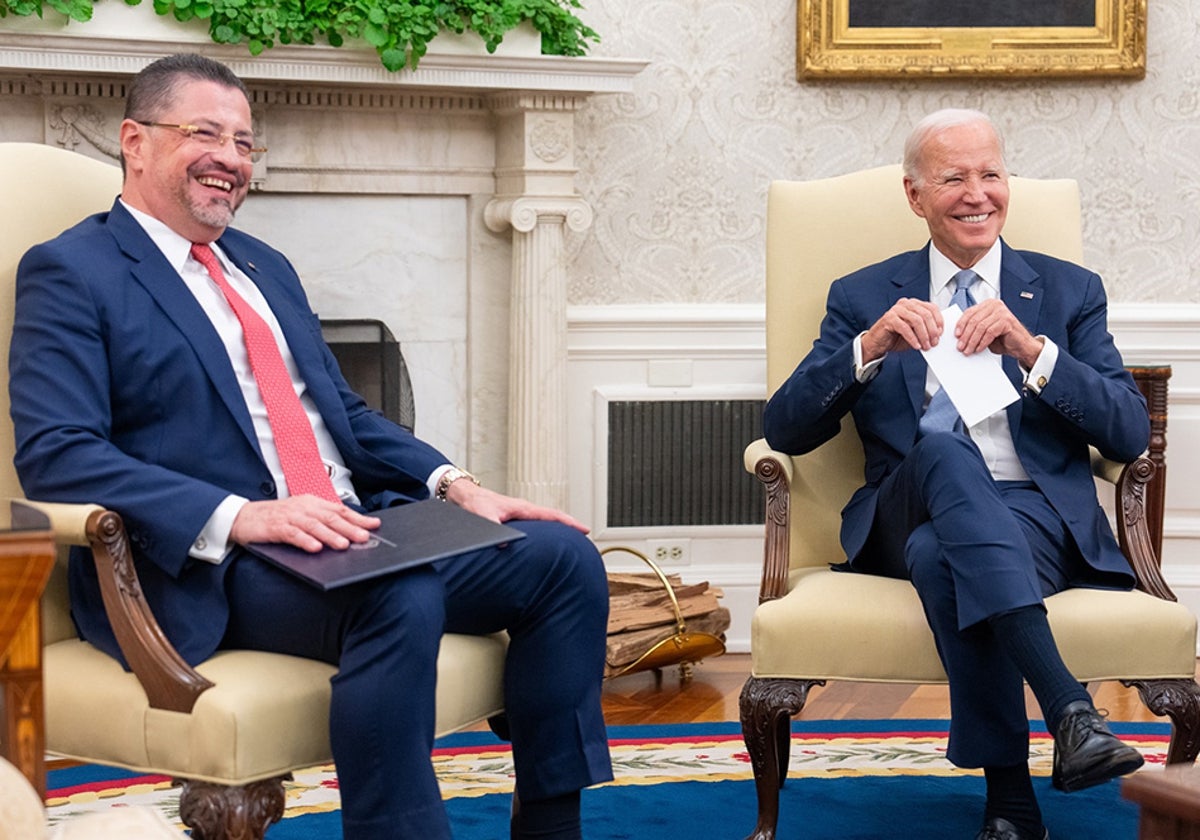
[(1089, 400), (123, 395)]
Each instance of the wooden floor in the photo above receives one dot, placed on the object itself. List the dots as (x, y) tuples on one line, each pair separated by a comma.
[(712, 695)]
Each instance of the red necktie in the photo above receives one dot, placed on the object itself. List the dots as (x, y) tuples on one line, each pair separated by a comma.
[(303, 468)]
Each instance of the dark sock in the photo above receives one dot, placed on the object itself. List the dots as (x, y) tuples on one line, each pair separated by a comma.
[(1025, 635), (1010, 795), (556, 818)]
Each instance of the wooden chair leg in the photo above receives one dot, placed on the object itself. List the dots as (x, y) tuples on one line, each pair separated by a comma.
[(231, 812), (767, 707), (1180, 701)]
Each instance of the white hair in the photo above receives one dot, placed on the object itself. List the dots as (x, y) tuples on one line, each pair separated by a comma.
[(934, 124)]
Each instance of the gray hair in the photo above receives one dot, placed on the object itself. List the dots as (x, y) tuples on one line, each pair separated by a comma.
[(936, 123), (154, 88)]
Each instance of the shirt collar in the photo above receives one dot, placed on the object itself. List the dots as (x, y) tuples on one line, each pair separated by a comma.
[(942, 269)]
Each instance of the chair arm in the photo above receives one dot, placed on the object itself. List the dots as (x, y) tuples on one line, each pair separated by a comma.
[(68, 522), (169, 682), (774, 470), (1133, 531)]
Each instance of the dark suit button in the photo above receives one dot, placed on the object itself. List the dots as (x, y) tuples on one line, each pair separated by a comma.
[(267, 488)]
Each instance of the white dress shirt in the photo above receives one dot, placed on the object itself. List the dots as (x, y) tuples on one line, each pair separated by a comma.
[(992, 434)]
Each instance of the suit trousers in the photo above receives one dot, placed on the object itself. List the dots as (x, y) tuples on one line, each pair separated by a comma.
[(973, 548), (549, 591)]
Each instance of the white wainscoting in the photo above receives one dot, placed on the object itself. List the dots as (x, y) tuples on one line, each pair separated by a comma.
[(700, 352)]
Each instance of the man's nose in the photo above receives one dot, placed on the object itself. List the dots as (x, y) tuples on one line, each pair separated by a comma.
[(973, 189), (227, 153)]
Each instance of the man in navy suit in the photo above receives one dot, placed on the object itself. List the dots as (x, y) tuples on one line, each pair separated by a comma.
[(132, 387), (989, 520)]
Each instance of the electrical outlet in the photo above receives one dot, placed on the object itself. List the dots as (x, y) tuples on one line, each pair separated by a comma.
[(670, 552)]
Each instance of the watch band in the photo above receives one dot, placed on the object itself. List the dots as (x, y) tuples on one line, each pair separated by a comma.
[(449, 477)]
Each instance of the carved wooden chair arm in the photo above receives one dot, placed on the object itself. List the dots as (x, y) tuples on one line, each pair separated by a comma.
[(1133, 531), (774, 470), (169, 682)]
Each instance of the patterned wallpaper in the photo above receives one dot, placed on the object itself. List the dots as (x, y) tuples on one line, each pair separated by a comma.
[(678, 170)]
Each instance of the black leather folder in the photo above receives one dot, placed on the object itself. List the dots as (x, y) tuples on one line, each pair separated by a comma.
[(409, 535)]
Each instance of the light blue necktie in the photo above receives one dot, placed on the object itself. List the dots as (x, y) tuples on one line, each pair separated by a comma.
[(940, 415)]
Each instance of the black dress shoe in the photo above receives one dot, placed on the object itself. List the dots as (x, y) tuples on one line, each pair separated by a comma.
[(998, 828), (1086, 752)]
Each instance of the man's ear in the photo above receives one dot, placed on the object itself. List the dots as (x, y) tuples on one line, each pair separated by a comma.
[(133, 139), (912, 193)]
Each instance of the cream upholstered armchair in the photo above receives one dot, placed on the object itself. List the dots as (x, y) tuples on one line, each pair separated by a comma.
[(232, 729), (814, 624)]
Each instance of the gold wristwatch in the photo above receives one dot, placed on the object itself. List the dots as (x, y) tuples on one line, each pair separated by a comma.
[(449, 477)]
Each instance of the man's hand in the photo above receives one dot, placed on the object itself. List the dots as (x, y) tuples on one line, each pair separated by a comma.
[(909, 324), (500, 508), (991, 325), (306, 522)]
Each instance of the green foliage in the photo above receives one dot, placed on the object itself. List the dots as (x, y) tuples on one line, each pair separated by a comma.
[(399, 30)]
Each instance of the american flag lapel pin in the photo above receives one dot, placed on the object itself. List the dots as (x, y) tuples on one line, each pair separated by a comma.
[(1027, 295)]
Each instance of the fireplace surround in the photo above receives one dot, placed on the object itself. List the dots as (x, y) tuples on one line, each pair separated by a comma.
[(435, 201)]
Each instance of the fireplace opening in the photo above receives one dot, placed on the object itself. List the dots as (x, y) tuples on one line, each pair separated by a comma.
[(370, 359)]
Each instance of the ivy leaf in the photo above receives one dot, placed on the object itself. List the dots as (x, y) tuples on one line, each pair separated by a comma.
[(392, 59), (374, 35)]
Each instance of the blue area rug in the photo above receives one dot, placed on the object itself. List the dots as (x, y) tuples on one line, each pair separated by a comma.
[(847, 780)]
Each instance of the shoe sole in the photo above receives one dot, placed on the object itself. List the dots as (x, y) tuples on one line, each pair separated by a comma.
[(1099, 775)]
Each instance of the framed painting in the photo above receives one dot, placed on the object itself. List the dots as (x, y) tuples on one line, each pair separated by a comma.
[(876, 39)]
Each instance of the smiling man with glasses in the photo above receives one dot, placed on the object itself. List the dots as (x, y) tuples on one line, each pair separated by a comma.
[(170, 368)]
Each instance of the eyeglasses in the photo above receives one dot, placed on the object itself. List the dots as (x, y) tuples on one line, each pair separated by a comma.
[(210, 139)]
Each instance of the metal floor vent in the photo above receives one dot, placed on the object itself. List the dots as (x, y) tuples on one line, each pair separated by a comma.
[(674, 462)]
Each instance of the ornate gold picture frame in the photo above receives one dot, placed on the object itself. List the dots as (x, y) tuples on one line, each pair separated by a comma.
[(874, 39)]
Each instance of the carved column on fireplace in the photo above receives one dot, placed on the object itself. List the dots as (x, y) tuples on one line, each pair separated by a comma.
[(536, 198)]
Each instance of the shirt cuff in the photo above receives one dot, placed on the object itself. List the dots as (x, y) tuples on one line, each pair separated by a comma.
[(212, 543), (1039, 375), (865, 373)]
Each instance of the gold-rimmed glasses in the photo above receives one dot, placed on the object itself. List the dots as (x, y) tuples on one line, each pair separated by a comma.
[(211, 139)]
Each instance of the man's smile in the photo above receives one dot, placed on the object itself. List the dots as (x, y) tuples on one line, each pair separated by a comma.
[(212, 181)]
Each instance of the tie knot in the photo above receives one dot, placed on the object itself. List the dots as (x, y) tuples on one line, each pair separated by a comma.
[(962, 289), (203, 254)]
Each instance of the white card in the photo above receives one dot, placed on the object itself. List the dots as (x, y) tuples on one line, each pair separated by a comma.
[(975, 384)]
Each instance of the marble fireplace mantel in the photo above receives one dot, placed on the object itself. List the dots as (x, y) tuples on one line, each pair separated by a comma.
[(439, 198)]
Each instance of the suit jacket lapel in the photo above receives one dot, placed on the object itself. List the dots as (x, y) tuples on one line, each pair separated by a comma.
[(151, 269), (1021, 290), (912, 281)]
